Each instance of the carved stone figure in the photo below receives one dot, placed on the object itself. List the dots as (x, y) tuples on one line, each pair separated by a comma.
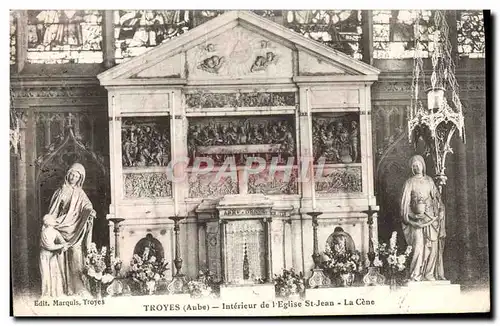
[(262, 62), (340, 242), (212, 64), (423, 218), (145, 144), (74, 215), (336, 139)]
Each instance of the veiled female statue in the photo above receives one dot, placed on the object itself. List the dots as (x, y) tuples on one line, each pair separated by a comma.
[(423, 219), (73, 213)]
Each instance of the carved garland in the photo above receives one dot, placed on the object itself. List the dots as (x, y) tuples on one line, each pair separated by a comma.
[(53, 92), (236, 100)]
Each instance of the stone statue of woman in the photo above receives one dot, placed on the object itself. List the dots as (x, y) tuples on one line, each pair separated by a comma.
[(74, 215), (423, 219)]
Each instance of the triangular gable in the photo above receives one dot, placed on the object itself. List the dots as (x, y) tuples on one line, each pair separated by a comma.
[(213, 50)]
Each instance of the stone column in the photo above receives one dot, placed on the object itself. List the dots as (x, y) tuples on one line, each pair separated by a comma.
[(21, 38), (20, 236), (108, 38), (223, 256), (367, 36), (269, 258)]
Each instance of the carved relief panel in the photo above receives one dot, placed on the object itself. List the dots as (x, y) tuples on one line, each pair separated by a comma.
[(339, 180), (242, 137), (239, 53), (336, 138), (146, 185), (145, 142)]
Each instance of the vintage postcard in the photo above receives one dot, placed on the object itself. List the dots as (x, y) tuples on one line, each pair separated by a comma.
[(248, 162)]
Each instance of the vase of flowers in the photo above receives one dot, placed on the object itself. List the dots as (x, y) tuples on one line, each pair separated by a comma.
[(392, 261), (146, 272), (204, 286), (98, 269), (342, 267), (289, 284)]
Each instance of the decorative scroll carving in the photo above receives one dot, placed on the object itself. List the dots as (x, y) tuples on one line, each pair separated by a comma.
[(391, 87), (212, 64), (336, 138), (204, 186), (146, 185), (145, 142), (262, 62), (237, 100), (67, 143), (238, 137), (54, 92), (347, 180), (281, 183)]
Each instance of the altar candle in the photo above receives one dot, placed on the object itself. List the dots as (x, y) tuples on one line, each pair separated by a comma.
[(309, 115)]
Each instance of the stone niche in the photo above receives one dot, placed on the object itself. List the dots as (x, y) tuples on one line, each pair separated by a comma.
[(240, 238)]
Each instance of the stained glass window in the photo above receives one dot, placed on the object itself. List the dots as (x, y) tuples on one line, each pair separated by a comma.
[(470, 33), (64, 36), (12, 38), (338, 29), (394, 33), (137, 31)]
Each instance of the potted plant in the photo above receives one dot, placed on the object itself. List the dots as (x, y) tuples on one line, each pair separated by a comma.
[(289, 284), (147, 272), (98, 269), (342, 267), (392, 261), (204, 286)]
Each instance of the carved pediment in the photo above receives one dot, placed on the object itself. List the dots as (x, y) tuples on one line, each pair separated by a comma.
[(237, 44), (239, 53)]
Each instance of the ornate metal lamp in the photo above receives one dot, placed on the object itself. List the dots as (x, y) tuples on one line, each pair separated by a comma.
[(437, 121)]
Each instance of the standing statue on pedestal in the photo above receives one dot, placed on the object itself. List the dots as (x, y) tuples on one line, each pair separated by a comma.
[(73, 213), (423, 219)]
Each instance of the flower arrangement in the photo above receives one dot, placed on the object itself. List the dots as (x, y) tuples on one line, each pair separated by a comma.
[(204, 286), (146, 271), (392, 261), (342, 267), (98, 268), (289, 283)]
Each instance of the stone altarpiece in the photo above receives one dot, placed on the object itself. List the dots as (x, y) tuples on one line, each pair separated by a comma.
[(235, 88)]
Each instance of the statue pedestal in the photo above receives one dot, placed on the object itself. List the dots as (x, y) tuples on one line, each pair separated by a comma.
[(247, 292)]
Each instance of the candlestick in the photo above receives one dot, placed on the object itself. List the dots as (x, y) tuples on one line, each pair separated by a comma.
[(177, 284), (318, 277)]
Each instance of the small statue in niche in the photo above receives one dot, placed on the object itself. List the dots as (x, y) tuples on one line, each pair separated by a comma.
[(354, 140), (262, 62), (345, 146), (340, 242), (212, 64)]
